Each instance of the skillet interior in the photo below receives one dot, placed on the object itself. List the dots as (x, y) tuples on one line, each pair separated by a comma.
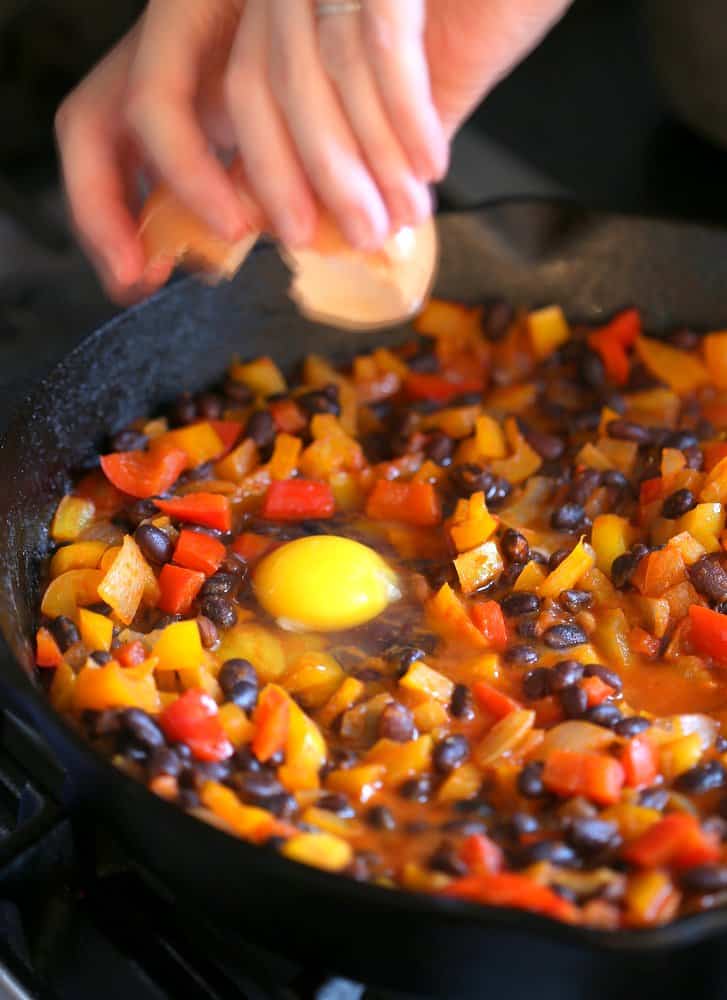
[(532, 253)]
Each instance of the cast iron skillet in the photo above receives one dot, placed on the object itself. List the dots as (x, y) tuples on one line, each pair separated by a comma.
[(530, 252)]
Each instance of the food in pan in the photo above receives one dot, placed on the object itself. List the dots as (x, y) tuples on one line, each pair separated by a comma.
[(451, 618)]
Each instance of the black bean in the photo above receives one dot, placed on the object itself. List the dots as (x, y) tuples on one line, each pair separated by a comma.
[(425, 361), (515, 546), (609, 677), (188, 798), (282, 806), (232, 565), (461, 705), (530, 780), (155, 544), (574, 701), (628, 430), (64, 632), (219, 583), (521, 824), (261, 428), (575, 600), (439, 448), (396, 723), (694, 457), (591, 370), (234, 671), (702, 778), (704, 880), (470, 478), (320, 401), (210, 406), (584, 485), (129, 440), (403, 656), (497, 319), (554, 851), (557, 558), (165, 620), (521, 653), (381, 818), (104, 723), (244, 695), (245, 760), (622, 569), (449, 753), (548, 446), (237, 392), (678, 503), (138, 511), (721, 608), (709, 577), (591, 836), (614, 479), (585, 420), (336, 803), (567, 517), (445, 859), (219, 610), (256, 786), (536, 683), (208, 633), (416, 789), (564, 674), (564, 636), (162, 760), (101, 657), (521, 602), (527, 627), (720, 744), (654, 798), (142, 728), (498, 492), (631, 726), (183, 410), (605, 714)]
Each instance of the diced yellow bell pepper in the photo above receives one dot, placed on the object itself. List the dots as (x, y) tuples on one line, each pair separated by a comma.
[(715, 355), (472, 523), (440, 318), (657, 405), (486, 667), (238, 728), (71, 590), (200, 441), (262, 376), (313, 678), (346, 490), (579, 561), (401, 760), (650, 898), (126, 581), (680, 370), (680, 755), (655, 614), (715, 485), (451, 619), (548, 329), (612, 637), (478, 566), (155, 428), (96, 630), (286, 453), (621, 454), (593, 458), (248, 822), (417, 878), (632, 820), (705, 522), (347, 695), (240, 461), (359, 783), (524, 460), (179, 647), (79, 555), (255, 643), (329, 822), (462, 783), (611, 536), (531, 577), (305, 752), (61, 689), (111, 686), (506, 399), (320, 850), (71, 517), (489, 437), (424, 680)]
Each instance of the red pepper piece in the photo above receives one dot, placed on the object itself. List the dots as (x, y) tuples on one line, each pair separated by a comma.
[(651, 490), (178, 587), (595, 776), (420, 385), (192, 719), (482, 855), (676, 840), (640, 762), (298, 499), (272, 721), (131, 654), (144, 473), (493, 701), (287, 416), (513, 890), (410, 503), (228, 431), (489, 619), (197, 551), (210, 509), (252, 547), (613, 341), (709, 632)]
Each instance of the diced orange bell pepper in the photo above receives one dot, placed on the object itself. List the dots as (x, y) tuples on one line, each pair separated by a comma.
[(71, 590), (178, 588), (272, 723), (113, 686), (681, 370), (512, 890), (252, 547), (651, 490), (195, 550), (487, 616), (209, 509), (548, 329), (287, 416), (596, 776), (450, 617), (715, 356), (709, 632), (47, 651), (575, 565), (286, 452), (412, 503), (144, 473), (249, 822), (640, 761), (262, 376), (676, 840), (659, 571), (239, 463), (494, 701)]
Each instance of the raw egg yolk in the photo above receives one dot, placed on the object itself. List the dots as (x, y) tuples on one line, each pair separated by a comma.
[(324, 583)]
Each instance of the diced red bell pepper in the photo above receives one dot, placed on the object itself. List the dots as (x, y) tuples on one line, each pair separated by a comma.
[(489, 619), (47, 650), (196, 550), (228, 431), (676, 840), (144, 473), (411, 503), (595, 776), (481, 855), (612, 342), (513, 890), (651, 490), (709, 632), (96, 487), (596, 690), (252, 547), (297, 500), (640, 761), (209, 509), (272, 722), (131, 654), (192, 719), (421, 385), (178, 587), (493, 701), (287, 416)]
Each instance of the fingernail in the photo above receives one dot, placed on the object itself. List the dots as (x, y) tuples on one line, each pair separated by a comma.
[(297, 229)]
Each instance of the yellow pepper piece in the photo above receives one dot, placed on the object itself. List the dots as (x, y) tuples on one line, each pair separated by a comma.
[(239, 462), (126, 580), (564, 577), (179, 647), (620, 454), (680, 755), (715, 355), (715, 486), (632, 820), (238, 728), (358, 783), (111, 686), (79, 555), (440, 318), (607, 415), (489, 437), (478, 566), (424, 680), (524, 461), (71, 517), (680, 370), (96, 630), (62, 685), (347, 695), (548, 329), (705, 522), (305, 751), (313, 678), (262, 376), (611, 536), (462, 783), (255, 643), (650, 898), (200, 441), (71, 590), (320, 850), (247, 822), (531, 577), (402, 760), (284, 460)]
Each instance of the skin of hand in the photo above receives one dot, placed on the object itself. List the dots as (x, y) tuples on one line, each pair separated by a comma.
[(351, 111)]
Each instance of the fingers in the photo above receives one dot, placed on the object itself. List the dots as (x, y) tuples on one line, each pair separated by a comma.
[(393, 32), (315, 119), (176, 39), (342, 52)]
